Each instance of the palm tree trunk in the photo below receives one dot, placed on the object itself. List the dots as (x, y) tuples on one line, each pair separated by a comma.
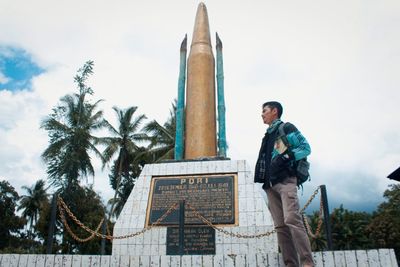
[(116, 189)]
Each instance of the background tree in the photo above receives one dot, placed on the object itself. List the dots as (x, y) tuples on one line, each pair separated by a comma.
[(70, 128), (10, 223), (123, 143), (161, 138), (318, 243), (384, 229), (32, 203), (42, 228), (86, 204), (349, 229)]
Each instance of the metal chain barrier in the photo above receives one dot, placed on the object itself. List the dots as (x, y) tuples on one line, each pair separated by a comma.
[(74, 236), (320, 220), (209, 223), (63, 207)]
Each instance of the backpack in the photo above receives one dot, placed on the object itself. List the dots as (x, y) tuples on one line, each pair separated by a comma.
[(301, 167)]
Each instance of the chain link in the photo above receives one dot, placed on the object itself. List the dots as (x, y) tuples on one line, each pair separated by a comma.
[(63, 206), (74, 236), (320, 219), (209, 223)]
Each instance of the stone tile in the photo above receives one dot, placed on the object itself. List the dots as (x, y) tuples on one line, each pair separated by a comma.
[(236, 248), (134, 261), (147, 250), (155, 235), (139, 250), (219, 238), (218, 260), (165, 261), (241, 166), (243, 219), (154, 249), (196, 261), (186, 261), (251, 220), (219, 249), (104, 261), (123, 250), (163, 236), (250, 205), (207, 260), (249, 177), (251, 260), (131, 249), (147, 238), (227, 239), (259, 218), (162, 249), (144, 261)]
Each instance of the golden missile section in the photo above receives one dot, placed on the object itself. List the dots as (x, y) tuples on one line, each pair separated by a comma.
[(200, 123)]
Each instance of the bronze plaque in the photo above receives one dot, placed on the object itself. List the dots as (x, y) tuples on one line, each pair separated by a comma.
[(213, 196), (199, 240)]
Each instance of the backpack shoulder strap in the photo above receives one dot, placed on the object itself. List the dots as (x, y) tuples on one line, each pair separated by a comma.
[(282, 134)]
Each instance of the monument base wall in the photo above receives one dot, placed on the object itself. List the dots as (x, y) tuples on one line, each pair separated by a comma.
[(253, 215)]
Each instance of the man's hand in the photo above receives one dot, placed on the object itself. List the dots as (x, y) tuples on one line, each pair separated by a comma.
[(280, 162)]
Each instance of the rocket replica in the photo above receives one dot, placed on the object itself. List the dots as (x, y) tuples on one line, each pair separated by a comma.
[(196, 124)]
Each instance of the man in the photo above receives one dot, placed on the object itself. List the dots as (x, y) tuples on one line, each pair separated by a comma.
[(275, 170)]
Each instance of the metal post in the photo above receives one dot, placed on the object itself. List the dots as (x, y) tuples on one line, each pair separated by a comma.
[(50, 235), (103, 240), (180, 105), (221, 101), (181, 227), (326, 217)]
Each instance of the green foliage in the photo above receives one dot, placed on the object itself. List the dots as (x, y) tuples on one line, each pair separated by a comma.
[(161, 138), (33, 202), (43, 224), (318, 243), (10, 224), (127, 165), (349, 229), (70, 128), (86, 205), (384, 229)]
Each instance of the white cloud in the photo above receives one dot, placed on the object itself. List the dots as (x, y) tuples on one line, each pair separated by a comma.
[(3, 78), (334, 66)]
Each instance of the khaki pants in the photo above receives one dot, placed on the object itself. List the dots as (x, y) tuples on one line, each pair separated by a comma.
[(283, 204)]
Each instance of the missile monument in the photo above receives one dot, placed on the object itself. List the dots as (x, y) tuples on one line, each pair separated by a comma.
[(202, 208)]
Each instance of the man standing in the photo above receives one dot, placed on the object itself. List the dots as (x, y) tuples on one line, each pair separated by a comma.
[(275, 170)]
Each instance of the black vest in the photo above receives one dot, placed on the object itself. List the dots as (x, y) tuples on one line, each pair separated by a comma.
[(261, 173)]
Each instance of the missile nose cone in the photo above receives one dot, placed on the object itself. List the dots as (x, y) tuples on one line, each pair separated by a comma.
[(201, 31)]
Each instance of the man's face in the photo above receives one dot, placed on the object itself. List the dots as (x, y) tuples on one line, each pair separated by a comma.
[(269, 114)]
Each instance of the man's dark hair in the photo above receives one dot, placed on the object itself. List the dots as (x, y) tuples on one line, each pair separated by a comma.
[(274, 104)]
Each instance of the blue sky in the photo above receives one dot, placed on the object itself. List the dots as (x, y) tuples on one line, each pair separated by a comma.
[(333, 65), (16, 69)]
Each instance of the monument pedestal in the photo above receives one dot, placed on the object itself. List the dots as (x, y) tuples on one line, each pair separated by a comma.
[(250, 209)]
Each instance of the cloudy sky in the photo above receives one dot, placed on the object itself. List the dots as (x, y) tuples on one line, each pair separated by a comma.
[(334, 65)]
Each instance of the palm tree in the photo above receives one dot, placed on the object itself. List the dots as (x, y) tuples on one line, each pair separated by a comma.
[(123, 144), (70, 128), (162, 138), (32, 203)]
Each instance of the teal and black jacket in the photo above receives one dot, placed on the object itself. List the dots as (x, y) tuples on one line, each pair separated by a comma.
[(299, 149)]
